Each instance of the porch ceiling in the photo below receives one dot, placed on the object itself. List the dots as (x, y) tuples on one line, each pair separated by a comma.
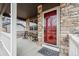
[(5, 9), (25, 10), (29, 10)]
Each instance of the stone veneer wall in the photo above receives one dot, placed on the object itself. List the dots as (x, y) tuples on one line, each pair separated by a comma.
[(40, 25), (69, 16)]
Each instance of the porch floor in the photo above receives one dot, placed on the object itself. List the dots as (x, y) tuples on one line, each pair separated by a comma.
[(27, 47)]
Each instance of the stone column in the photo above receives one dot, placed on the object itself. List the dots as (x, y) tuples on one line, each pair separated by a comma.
[(27, 29), (27, 25), (40, 25)]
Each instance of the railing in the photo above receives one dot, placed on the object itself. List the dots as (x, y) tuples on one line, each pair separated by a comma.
[(6, 41), (73, 45)]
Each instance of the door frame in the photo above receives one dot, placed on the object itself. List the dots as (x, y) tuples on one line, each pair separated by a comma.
[(58, 25)]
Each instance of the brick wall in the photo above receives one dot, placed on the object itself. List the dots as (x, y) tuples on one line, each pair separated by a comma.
[(69, 16)]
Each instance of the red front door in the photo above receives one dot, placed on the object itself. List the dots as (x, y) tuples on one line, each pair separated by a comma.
[(50, 27)]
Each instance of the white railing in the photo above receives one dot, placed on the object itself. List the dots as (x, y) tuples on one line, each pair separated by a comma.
[(73, 45), (6, 41)]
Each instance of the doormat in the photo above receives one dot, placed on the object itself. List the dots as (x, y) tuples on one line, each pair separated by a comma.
[(48, 52)]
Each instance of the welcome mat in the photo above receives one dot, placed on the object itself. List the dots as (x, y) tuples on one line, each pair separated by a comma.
[(48, 52)]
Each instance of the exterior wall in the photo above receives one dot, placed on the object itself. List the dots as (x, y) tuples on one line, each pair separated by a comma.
[(69, 19), (69, 16)]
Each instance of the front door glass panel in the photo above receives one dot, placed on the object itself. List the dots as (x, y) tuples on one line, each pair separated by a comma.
[(50, 27)]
